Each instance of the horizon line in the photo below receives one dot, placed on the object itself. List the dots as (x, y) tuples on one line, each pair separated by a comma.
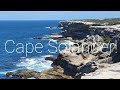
[(59, 20)]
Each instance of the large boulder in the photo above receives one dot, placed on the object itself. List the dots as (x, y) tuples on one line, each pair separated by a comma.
[(87, 68)]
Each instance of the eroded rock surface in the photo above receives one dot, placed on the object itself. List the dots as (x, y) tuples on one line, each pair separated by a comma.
[(53, 73), (110, 71)]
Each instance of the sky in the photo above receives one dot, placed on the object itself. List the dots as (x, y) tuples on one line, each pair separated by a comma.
[(57, 15)]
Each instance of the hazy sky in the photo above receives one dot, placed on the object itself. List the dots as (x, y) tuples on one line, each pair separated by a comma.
[(56, 15)]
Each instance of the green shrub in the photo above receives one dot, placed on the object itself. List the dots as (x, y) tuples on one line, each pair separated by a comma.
[(106, 39)]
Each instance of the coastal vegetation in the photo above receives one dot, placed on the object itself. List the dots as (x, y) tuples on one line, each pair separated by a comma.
[(109, 21), (106, 39)]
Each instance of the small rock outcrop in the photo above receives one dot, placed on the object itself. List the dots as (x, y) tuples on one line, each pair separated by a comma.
[(53, 73)]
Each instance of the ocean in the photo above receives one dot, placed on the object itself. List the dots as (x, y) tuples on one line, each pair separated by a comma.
[(24, 32)]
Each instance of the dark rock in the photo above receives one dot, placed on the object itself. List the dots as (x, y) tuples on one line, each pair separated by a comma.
[(69, 69), (37, 38), (40, 38), (9, 74), (104, 55), (74, 29), (51, 58), (116, 53), (87, 68), (23, 74)]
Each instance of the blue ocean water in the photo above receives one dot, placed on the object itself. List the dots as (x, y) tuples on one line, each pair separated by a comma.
[(23, 32)]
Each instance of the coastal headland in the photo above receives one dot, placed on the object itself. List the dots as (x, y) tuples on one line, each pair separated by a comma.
[(94, 52)]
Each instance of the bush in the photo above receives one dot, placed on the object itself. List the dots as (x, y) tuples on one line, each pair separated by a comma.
[(106, 39)]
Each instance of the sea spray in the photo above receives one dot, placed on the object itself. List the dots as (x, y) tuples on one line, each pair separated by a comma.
[(37, 64)]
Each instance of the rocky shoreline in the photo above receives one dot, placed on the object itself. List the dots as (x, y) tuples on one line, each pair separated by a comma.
[(87, 55)]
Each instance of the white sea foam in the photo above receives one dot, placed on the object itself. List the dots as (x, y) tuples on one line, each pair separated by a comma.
[(37, 64), (68, 42), (52, 40), (52, 27), (3, 72), (47, 56), (47, 27)]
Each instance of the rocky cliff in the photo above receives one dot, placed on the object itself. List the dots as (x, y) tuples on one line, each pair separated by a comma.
[(74, 29), (87, 55)]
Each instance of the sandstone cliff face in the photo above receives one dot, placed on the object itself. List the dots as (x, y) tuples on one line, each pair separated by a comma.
[(74, 26), (80, 28)]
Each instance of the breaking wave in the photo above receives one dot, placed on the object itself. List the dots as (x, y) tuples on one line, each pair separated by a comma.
[(36, 64)]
